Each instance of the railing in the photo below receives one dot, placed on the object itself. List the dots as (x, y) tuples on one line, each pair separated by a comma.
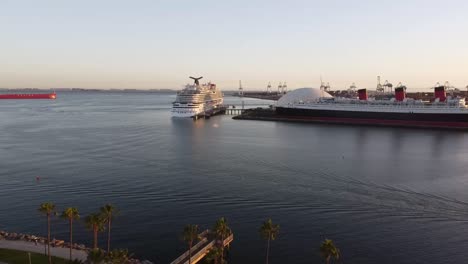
[(194, 248), (360, 105), (201, 249)]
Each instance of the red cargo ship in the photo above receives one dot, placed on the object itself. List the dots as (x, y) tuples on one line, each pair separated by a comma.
[(51, 96)]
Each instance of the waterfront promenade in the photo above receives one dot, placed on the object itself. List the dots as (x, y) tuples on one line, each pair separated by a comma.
[(61, 252)]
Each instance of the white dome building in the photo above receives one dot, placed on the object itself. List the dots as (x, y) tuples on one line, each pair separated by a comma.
[(301, 95)]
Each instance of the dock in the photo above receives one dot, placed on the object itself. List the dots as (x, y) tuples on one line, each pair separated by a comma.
[(199, 250), (229, 110), (207, 114), (234, 111)]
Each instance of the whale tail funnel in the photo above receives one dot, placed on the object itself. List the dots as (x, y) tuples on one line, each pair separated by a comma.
[(196, 80)]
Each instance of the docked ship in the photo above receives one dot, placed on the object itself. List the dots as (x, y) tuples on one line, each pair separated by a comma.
[(198, 100), (51, 96), (316, 105)]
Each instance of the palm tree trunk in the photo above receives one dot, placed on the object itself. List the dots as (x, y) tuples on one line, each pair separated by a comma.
[(108, 234), (48, 238), (268, 250), (222, 250), (45, 244), (190, 253), (328, 259), (95, 231), (71, 237)]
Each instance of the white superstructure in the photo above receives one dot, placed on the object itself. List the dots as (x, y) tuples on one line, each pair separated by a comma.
[(197, 100), (316, 99)]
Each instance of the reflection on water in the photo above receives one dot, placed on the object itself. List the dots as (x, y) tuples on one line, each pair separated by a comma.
[(384, 195)]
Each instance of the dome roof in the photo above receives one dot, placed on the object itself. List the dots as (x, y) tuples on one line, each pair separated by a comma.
[(302, 95)]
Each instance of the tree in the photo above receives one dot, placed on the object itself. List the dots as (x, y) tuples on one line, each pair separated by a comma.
[(95, 256), (328, 250), (70, 214), (95, 222), (48, 209), (118, 256), (108, 211), (269, 231), (190, 235), (222, 231), (213, 255)]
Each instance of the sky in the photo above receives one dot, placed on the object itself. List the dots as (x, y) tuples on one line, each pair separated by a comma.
[(158, 44)]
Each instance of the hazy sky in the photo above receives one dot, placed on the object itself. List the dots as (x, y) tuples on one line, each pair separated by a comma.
[(158, 44)]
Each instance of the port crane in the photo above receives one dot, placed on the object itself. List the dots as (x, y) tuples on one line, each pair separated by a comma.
[(323, 86), (389, 86), (380, 88), (352, 88), (284, 88), (241, 90), (386, 87), (280, 87), (269, 88), (351, 92)]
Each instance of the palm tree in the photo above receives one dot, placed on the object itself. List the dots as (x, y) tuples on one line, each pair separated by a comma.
[(48, 209), (329, 250), (108, 211), (222, 230), (95, 222), (269, 231), (189, 235), (71, 213), (95, 256), (118, 256), (213, 255)]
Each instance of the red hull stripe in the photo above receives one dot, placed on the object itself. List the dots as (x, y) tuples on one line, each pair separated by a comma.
[(405, 123), (28, 96)]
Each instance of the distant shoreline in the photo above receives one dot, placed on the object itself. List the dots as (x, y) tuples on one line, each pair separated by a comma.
[(87, 90), (173, 91)]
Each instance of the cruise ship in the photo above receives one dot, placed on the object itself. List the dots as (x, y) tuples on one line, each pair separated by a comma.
[(198, 100), (316, 105)]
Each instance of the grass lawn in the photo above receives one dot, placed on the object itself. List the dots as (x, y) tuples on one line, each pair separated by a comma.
[(21, 257)]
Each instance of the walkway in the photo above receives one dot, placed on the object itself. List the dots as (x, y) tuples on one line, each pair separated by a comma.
[(39, 248), (202, 248)]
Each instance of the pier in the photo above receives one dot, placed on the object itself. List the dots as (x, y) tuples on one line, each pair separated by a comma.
[(234, 111), (230, 110), (199, 250)]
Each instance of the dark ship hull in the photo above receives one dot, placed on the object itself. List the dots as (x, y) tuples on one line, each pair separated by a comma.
[(406, 119)]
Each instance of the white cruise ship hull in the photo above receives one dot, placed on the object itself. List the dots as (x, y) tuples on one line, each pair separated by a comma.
[(187, 111), (191, 112), (184, 114)]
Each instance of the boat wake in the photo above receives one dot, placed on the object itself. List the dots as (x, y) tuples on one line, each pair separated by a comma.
[(334, 193)]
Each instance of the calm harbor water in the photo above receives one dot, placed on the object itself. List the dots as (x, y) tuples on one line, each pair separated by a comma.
[(384, 195)]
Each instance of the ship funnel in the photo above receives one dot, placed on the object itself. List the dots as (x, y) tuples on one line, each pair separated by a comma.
[(400, 93), (439, 92), (362, 94), (196, 80)]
